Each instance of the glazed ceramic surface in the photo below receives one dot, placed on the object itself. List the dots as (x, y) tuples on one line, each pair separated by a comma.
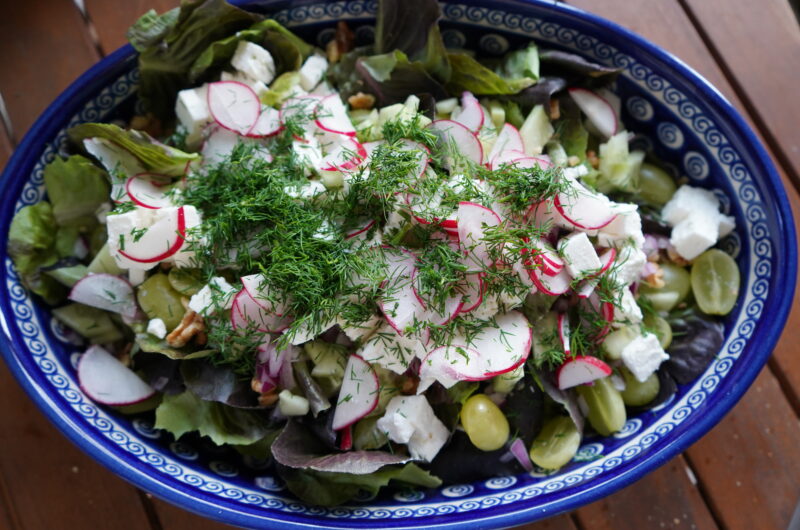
[(674, 114)]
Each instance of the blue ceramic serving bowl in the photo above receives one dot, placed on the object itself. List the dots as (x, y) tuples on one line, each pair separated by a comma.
[(674, 113)]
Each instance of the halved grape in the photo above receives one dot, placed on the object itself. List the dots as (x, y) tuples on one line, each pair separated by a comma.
[(556, 444), (661, 328), (636, 393), (606, 408), (715, 282), (656, 186), (485, 424), (677, 285)]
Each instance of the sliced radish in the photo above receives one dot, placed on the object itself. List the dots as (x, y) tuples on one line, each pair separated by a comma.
[(347, 155), (581, 370), (606, 260), (470, 115), (505, 157), (563, 333), (106, 380), (552, 285), (472, 295), (529, 162), (258, 289), (361, 231), (473, 220), (107, 292), (267, 124), (455, 137), (583, 208), (299, 111), (358, 395), (247, 315), (450, 364), (169, 232), (233, 105), (543, 258), (147, 194), (438, 316), (331, 116), (399, 303), (597, 109), (508, 139)]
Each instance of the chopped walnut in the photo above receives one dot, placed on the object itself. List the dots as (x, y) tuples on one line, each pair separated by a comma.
[(573, 161), (676, 258), (191, 327), (409, 386), (656, 279), (361, 101), (343, 41), (332, 52), (555, 109), (591, 157), (268, 398)]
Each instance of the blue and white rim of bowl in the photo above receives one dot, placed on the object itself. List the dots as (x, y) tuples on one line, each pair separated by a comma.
[(499, 502)]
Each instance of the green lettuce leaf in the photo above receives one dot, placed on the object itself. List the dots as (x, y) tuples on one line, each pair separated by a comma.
[(468, 74), (186, 412), (76, 188), (288, 50), (520, 63), (152, 344), (574, 137), (391, 77), (151, 28), (32, 238), (154, 156), (165, 62), (560, 63), (90, 322)]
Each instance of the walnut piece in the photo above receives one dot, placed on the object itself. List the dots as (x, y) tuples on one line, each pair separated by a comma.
[(191, 327), (361, 101), (656, 278)]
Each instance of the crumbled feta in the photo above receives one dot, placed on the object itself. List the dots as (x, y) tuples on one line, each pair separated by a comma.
[(309, 190), (410, 420), (686, 201), (643, 355), (325, 89), (392, 351), (628, 311), (254, 61), (191, 108), (695, 234), (726, 225), (626, 227), (292, 405), (258, 87), (579, 255), (102, 212), (628, 264), (157, 327), (312, 71), (217, 295)]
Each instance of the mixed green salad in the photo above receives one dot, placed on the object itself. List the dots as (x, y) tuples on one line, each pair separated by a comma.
[(381, 262)]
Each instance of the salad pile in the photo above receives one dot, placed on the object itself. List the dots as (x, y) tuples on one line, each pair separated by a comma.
[(376, 262)]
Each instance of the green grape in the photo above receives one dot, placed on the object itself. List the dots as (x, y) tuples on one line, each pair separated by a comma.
[(186, 281), (556, 444), (159, 300), (677, 285), (606, 408), (661, 328), (656, 186), (484, 423), (715, 282), (616, 341), (636, 393)]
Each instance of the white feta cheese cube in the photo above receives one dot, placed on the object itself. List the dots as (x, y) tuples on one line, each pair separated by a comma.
[(628, 264), (579, 255), (217, 295), (157, 327), (122, 227), (191, 108), (575, 172), (258, 87), (411, 420), (309, 190), (727, 224), (185, 257), (643, 355), (695, 234), (628, 311), (312, 71), (325, 89), (254, 61), (688, 200), (626, 227)]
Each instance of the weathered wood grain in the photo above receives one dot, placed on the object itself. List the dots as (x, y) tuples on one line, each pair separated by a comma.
[(559, 522), (174, 518), (758, 43), (666, 498), (112, 19), (44, 47)]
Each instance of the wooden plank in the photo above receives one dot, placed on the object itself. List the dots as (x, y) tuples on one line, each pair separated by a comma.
[(174, 518), (666, 498), (41, 55), (749, 464), (112, 19), (758, 44), (559, 522), (50, 482)]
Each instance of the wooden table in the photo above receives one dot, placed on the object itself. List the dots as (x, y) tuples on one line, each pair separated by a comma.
[(743, 474)]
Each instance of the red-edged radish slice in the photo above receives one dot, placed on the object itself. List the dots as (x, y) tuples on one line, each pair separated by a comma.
[(454, 136), (508, 139), (300, 110), (399, 303), (598, 110), (359, 393), (143, 192), (169, 233), (107, 292), (581, 370), (109, 382), (588, 285), (505, 157), (544, 258), (346, 441), (606, 259), (247, 315), (473, 219), (360, 232), (370, 147), (451, 308), (258, 289), (562, 324), (331, 116), (552, 285), (471, 114), (449, 365), (233, 105), (505, 345), (472, 296), (346, 156), (267, 124), (584, 209), (119, 192)]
